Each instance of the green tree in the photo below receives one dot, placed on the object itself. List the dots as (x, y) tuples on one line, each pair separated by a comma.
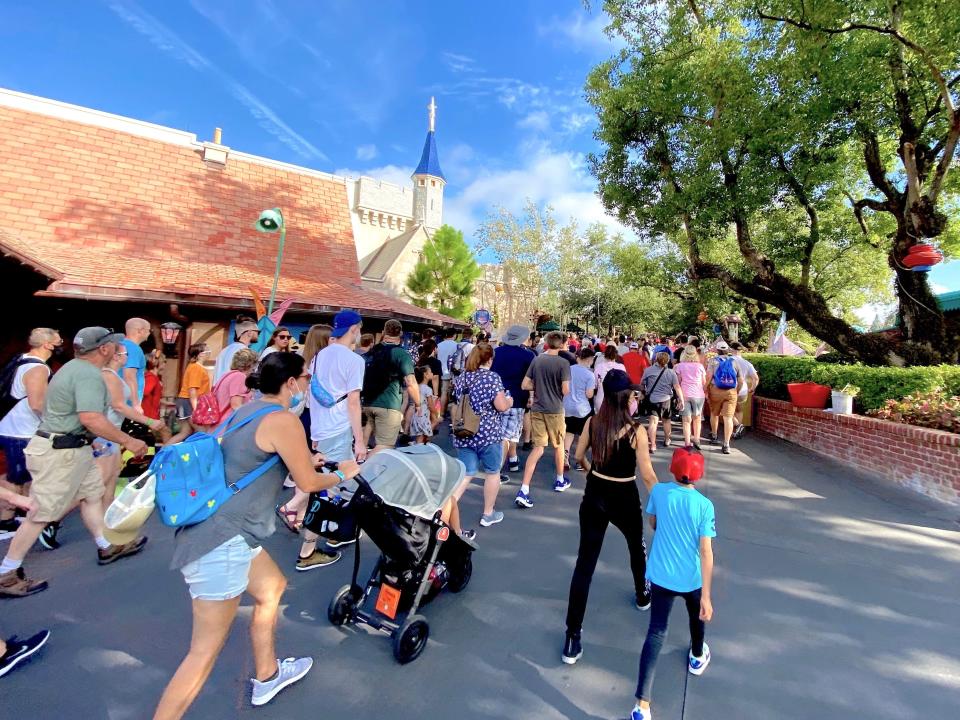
[(794, 152), (444, 276)]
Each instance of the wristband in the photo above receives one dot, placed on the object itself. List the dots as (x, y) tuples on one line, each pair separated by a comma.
[(339, 474)]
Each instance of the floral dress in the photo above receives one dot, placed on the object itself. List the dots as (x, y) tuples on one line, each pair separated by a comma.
[(483, 385), (420, 423)]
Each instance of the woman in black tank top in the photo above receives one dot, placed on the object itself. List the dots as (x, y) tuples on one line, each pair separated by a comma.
[(618, 447)]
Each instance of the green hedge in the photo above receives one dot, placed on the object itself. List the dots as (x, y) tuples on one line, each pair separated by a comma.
[(877, 384)]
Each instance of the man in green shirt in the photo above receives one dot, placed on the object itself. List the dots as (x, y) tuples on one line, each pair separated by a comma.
[(389, 368), (60, 458)]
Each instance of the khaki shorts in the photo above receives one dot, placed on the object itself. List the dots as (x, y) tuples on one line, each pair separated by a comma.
[(723, 403), (384, 424), (60, 478), (547, 429)]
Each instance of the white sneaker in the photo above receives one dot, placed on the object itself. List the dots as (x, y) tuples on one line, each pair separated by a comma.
[(288, 672), (697, 665)]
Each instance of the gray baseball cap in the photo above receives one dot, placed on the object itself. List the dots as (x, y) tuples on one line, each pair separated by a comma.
[(90, 338)]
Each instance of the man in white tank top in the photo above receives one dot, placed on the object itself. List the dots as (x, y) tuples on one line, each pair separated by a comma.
[(17, 426)]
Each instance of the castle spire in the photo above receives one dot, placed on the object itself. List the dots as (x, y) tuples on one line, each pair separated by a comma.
[(432, 107)]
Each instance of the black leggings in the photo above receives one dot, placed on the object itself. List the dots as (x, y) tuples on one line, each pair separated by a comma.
[(604, 502), (661, 601)]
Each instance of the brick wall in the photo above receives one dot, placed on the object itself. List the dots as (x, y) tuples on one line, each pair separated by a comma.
[(927, 461)]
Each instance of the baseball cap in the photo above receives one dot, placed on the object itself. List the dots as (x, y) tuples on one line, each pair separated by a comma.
[(343, 321), (722, 345), (90, 338), (634, 346), (516, 335), (686, 465), (616, 381)]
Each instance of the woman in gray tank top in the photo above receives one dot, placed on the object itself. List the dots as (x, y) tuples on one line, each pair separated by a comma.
[(221, 557)]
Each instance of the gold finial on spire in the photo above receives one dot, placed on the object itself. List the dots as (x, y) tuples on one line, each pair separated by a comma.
[(432, 107)]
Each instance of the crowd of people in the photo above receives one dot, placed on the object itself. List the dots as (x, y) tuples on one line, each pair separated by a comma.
[(596, 403)]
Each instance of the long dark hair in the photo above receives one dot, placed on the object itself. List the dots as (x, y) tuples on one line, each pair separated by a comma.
[(274, 371), (607, 424)]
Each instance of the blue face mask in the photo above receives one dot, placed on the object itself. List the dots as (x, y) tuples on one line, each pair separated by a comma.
[(296, 399)]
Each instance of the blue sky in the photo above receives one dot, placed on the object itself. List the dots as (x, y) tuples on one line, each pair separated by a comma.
[(343, 86)]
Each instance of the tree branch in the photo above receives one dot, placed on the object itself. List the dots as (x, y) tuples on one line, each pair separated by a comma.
[(814, 235), (875, 168)]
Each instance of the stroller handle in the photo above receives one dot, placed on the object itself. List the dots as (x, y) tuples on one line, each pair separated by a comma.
[(358, 478)]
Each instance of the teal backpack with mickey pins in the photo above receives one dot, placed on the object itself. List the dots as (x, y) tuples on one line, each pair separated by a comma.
[(190, 476)]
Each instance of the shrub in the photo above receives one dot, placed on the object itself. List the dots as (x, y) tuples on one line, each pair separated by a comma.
[(877, 384), (934, 409)]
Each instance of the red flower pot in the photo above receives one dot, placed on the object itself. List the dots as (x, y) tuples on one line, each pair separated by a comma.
[(808, 395), (921, 255)]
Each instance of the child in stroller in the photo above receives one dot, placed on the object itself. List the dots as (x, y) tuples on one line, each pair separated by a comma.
[(398, 503)]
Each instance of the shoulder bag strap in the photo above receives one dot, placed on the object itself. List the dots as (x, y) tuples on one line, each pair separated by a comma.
[(657, 381), (225, 429)]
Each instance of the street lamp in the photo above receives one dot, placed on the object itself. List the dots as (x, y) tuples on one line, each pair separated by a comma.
[(169, 332), (270, 221)]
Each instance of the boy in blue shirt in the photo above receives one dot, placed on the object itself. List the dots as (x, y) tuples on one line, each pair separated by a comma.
[(680, 564)]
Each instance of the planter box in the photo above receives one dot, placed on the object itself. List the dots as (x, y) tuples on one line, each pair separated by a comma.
[(808, 395), (921, 459)]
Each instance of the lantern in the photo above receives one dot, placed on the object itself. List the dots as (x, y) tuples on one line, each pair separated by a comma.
[(921, 257), (169, 332), (702, 316)]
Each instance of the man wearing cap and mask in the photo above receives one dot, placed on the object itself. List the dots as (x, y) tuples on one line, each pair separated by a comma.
[(247, 332), (511, 361), (60, 458)]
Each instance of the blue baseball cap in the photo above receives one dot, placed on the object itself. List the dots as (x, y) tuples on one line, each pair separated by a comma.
[(616, 381), (343, 321)]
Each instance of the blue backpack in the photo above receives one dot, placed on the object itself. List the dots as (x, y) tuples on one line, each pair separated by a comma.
[(725, 376), (191, 481)]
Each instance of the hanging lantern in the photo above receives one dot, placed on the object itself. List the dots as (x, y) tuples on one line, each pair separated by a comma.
[(922, 257), (702, 316)]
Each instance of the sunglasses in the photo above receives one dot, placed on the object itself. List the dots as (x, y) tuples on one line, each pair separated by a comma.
[(284, 337)]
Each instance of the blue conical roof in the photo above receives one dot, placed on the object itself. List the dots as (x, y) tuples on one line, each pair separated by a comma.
[(429, 162)]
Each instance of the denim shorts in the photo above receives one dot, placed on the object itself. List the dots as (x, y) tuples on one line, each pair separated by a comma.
[(223, 573), (13, 447), (693, 407), (512, 424), (336, 448), (486, 460)]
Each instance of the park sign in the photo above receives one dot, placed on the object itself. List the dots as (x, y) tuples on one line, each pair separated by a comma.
[(481, 317)]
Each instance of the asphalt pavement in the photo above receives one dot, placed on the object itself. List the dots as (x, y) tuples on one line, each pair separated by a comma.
[(836, 596)]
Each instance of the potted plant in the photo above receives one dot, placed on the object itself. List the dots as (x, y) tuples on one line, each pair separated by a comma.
[(808, 395), (843, 399)]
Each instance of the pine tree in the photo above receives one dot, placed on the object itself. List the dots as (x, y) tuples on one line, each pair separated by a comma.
[(443, 278)]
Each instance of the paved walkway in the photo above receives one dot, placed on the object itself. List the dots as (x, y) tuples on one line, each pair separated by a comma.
[(836, 597)]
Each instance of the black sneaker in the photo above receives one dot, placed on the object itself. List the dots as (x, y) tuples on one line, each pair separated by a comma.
[(8, 528), (725, 449), (572, 649), (514, 466), (20, 650), (643, 601), (713, 439), (504, 479), (48, 537), (696, 445)]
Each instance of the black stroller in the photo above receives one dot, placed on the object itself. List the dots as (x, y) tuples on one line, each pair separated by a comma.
[(397, 504)]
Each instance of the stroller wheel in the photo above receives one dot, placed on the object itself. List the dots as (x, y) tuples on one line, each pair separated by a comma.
[(461, 577), (341, 606), (410, 639)]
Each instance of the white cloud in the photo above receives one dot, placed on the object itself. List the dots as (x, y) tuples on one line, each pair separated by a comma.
[(582, 30), (460, 63), (164, 39), (396, 174), (366, 152), (938, 289), (575, 122), (538, 120)]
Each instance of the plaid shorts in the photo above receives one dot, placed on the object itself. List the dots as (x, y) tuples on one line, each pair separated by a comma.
[(512, 424)]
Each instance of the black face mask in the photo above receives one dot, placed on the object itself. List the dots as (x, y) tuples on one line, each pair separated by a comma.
[(57, 351)]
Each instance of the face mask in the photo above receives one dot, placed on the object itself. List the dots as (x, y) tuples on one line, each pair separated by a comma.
[(297, 399), (632, 406), (57, 351)]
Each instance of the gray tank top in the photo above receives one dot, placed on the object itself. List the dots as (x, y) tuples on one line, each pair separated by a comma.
[(112, 415), (250, 512)]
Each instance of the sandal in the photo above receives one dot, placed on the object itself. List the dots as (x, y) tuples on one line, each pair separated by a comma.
[(285, 515)]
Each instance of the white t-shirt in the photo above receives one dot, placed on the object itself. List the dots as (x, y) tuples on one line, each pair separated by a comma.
[(340, 371), (444, 350), (21, 422), (225, 358), (268, 351), (747, 371)]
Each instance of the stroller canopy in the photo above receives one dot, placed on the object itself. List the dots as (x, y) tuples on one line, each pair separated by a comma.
[(417, 479)]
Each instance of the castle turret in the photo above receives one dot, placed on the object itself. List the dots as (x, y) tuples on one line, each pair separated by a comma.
[(428, 180)]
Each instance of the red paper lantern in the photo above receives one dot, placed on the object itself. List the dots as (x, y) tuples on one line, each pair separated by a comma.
[(921, 257)]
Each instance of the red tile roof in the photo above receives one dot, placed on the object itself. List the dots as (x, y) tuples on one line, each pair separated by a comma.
[(110, 214)]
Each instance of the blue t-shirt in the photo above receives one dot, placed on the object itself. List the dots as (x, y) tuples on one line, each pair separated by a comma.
[(683, 517), (510, 362), (138, 361)]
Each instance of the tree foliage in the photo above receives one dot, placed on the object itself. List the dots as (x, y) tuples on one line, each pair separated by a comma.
[(793, 151), (443, 278)]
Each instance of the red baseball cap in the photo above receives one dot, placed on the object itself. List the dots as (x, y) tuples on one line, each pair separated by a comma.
[(686, 465)]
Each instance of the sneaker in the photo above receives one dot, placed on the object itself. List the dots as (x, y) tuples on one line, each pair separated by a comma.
[(514, 466), (580, 468), (641, 714), (19, 650), (725, 449), (697, 665), (8, 528), (16, 584), (572, 649), (713, 439), (696, 445), (739, 432), (491, 519), (561, 485), (115, 552), (504, 479), (523, 500), (340, 543), (642, 601), (288, 672), (468, 535), (318, 558), (48, 537)]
